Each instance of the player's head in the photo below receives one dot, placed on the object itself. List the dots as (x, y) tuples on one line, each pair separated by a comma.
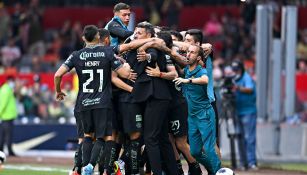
[(122, 10), (194, 36), (144, 30), (195, 54), (166, 37), (176, 36), (90, 33), (104, 36)]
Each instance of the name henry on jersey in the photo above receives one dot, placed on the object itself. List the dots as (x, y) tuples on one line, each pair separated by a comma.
[(91, 63), (86, 55)]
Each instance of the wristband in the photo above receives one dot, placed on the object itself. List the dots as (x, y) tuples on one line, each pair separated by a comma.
[(160, 74), (190, 80)]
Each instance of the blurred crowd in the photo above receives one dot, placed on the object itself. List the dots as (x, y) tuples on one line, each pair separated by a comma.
[(26, 47)]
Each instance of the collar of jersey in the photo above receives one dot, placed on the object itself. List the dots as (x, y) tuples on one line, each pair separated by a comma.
[(93, 46)]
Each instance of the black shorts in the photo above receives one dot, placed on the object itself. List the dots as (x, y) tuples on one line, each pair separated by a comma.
[(178, 118), (116, 119), (98, 121), (131, 115), (79, 124)]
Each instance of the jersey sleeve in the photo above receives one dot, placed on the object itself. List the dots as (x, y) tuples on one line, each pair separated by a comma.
[(116, 30), (248, 82), (69, 62), (203, 72)]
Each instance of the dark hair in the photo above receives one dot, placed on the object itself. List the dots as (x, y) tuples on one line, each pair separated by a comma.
[(177, 35), (120, 6), (196, 34), (237, 65), (148, 27), (89, 32), (201, 52), (166, 37), (165, 28), (103, 33)]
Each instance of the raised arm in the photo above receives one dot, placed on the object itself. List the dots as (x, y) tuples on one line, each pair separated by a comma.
[(160, 45), (132, 45)]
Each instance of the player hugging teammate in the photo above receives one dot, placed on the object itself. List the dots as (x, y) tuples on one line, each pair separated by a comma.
[(138, 102)]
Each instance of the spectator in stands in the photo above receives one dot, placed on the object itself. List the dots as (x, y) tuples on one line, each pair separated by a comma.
[(15, 19), (4, 25), (35, 32), (302, 45), (301, 66), (213, 27), (10, 53), (8, 113), (171, 9)]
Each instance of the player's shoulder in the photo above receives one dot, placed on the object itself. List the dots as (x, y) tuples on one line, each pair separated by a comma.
[(203, 71), (114, 23)]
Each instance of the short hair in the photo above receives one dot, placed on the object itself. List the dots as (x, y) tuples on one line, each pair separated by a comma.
[(147, 26), (89, 32), (177, 35), (103, 33), (165, 28), (200, 51), (196, 34), (166, 37), (121, 6)]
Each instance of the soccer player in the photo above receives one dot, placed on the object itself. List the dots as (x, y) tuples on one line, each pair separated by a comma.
[(118, 24), (201, 119), (94, 96), (154, 95), (177, 114)]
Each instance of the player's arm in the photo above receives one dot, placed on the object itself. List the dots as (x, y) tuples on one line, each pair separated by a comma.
[(120, 83), (173, 53), (155, 72), (57, 81), (200, 80), (116, 30), (132, 45), (124, 71)]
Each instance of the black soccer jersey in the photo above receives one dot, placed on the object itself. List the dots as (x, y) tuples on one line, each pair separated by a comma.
[(93, 66)]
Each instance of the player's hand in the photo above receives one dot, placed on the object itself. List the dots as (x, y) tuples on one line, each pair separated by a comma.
[(132, 76), (180, 80), (153, 72), (207, 49), (60, 96), (142, 56), (121, 59)]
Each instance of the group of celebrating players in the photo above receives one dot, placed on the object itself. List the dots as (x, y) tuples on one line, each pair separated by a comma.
[(142, 95)]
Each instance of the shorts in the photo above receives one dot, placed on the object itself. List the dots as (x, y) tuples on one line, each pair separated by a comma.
[(98, 121), (131, 115), (178, 119), (116, 119), (79, 124)]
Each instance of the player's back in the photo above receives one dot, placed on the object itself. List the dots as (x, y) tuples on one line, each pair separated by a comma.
[(93, 66)]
